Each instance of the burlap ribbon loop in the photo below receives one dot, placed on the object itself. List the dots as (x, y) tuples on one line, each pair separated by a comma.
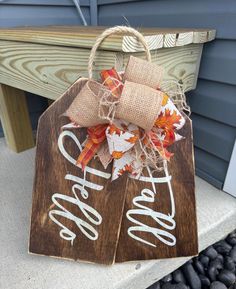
[(143, 72), (84, 109), (140, 101), (139, 104)]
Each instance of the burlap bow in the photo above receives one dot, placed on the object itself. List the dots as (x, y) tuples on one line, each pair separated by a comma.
[(130, 121), (139, 101)]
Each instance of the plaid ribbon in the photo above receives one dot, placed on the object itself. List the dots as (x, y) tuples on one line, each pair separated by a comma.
[(97, 134)]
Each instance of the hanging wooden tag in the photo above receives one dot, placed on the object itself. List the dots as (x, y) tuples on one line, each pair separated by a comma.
[(89, 218), (75, 215), (159, 219), (83, 215)]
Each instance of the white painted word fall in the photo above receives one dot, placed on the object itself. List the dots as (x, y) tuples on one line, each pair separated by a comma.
[(167, 222), (79, 194)]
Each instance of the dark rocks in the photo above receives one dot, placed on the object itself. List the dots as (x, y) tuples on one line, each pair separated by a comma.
[(191, 276), (178, 276), (231, 239), (181, 286), (198, 266), (214, 268), (168, 286), (232, 254), (174, 286), (217, 264), (217, 285), (229, 264), (212, 272), (204, 281), (220, 257), (204, 260), (167, 278), (210, 252), (222, 247), (226, 277)]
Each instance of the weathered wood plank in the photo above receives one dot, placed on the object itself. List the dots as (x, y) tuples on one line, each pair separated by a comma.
[(84, 37), (49, 70), (15, 118)]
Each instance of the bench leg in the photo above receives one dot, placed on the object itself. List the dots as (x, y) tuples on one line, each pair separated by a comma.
[(15, 118)]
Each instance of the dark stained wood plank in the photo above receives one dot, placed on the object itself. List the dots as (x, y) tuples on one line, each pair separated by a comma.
[(184, 231), (93, 225), (54, 201)]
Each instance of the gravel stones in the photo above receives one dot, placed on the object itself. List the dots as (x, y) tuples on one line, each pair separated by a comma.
[(229, 264), (231, 239), (232, 253), (191, 276), (217, 285), (178, 276), (210, 252), (214, 268), (222, 247), (227, 277)]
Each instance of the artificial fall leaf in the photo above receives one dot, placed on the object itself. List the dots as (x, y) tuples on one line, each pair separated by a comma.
[(161, 144), (167, 120), (112, 129), (169, 138), (164, 99), (126, 168), (117, 154), (132, 139)]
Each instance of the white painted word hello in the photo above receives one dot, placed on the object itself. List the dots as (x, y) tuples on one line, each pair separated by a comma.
[(80, 193), (79, 187)]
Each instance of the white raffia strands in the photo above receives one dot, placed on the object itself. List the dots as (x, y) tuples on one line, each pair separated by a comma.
[(176, 92), (108, 101)]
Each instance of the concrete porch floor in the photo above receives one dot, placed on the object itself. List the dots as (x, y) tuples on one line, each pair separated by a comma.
[(216, 212)]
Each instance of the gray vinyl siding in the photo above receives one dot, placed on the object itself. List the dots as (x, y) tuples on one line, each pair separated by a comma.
[(213, 103), (41, 12)]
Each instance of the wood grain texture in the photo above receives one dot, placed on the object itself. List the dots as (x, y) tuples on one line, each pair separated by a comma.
[(184, 38), (170, 40), (15, 118), (181, 169), (51, 168), (113, 201), (80, 36), (49, 70)]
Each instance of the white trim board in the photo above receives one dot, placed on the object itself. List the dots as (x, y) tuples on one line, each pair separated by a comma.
[(230, 180)]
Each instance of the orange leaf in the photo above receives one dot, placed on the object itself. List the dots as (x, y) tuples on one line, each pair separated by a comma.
[(112, 129), (164, 99), (126, 168), (167, 120), (117, 154), (132, 139)]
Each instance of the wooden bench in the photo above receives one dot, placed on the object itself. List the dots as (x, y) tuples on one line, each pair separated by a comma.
[(46, 60)]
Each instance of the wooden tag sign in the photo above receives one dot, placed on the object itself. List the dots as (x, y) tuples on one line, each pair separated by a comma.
[(84, 216)]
